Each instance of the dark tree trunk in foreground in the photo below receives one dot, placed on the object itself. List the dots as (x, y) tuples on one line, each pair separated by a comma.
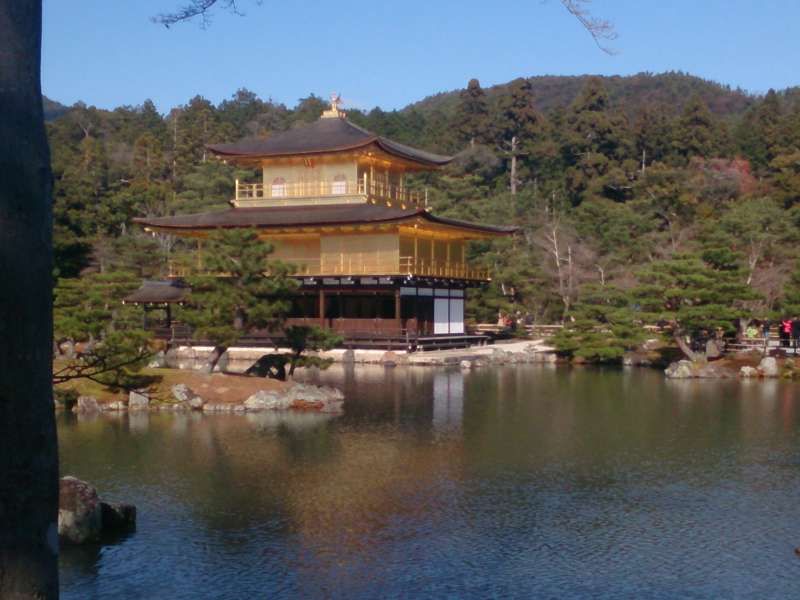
[(28, 454)]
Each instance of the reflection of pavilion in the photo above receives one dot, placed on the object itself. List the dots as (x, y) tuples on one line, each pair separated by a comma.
[(448, 400), (375, 393)]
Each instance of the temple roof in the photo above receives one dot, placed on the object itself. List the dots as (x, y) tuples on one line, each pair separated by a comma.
[(159, 292), (275, 217), (323, 136)]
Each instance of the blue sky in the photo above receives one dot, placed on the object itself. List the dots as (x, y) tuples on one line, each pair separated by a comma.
[(388, 54)]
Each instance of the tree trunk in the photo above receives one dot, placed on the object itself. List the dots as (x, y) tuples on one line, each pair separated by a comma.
[(28, 450), (214, 357), (687, 351), (744, 323), (513, 165), (292, 364)]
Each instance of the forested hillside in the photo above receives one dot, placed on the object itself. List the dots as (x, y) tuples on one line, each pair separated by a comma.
[(629, 94), (642, 199), (53, 109)]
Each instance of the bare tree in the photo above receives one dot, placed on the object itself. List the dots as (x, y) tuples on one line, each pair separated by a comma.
[(557, 241), (197, 8), (28, 450), (513, 153), (600, 29)]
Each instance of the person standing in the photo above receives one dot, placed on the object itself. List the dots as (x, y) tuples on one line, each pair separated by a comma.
[(785, 332), (795, 333)]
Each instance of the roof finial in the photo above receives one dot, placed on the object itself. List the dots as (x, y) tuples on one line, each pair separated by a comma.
[(333, 111)]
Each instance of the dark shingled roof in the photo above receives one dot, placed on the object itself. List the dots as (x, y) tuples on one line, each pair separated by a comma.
[(307, 216), (159, 292), (334, 134)]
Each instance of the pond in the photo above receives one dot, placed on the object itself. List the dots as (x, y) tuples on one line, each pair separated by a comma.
[(514, 482)]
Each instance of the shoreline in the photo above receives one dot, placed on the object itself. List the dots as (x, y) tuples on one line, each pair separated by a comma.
[(238, 359)]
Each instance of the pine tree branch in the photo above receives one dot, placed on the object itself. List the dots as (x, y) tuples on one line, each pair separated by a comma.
[(96, 367)]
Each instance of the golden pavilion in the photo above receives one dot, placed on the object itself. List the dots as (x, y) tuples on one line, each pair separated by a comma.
[(372, 261)]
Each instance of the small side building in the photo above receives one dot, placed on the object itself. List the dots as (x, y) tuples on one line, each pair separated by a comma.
[(373, 263)]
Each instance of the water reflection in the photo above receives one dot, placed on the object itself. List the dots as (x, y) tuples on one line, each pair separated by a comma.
[(448, 400), (521, 482)]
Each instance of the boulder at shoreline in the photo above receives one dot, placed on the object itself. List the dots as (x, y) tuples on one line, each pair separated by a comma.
[(84, 518)]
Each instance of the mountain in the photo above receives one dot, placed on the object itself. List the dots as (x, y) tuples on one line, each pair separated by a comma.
[(631, 93), (53, 109)]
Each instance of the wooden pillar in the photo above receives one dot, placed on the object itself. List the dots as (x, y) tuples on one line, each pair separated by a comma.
[(321, 307), (416, 310), (397, 299), (169, 315)]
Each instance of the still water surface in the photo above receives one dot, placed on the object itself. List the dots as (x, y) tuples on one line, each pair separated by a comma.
[(527, 482)]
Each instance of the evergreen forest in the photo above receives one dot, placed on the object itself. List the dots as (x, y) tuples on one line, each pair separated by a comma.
[(650, 199)]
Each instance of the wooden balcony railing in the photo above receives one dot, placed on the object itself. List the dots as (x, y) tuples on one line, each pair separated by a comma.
[(433, 268), (344, 191), (346, 265)]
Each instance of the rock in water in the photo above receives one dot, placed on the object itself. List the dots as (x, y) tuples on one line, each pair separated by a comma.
[(181, 392), (768, 366), (83, 517), (393, 359), (264, 400), (117, 518), (500, 357), (313, 393), (680, 370), (186, 396), (158, 361), (713, 371), (748, 372), (86, 404), (80, 518), (138, 400)]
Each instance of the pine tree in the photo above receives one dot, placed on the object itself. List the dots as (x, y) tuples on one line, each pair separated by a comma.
[(520, 128), (89, 310), (693, 297), (148, 157), (594, 143), (240, 291), (759, 134), (653, 135), (604, 326), (471, 121), (194, 126), (308, 110), (695, 133)]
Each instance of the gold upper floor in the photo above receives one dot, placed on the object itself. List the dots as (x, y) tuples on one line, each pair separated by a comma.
[(358, 177)]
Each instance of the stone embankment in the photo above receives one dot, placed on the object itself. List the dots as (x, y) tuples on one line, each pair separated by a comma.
[(723, 369), (217, 397), (84, 518), (237, 360)]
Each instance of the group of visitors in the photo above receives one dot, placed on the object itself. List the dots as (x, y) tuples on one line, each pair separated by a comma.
[(788, 331)]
